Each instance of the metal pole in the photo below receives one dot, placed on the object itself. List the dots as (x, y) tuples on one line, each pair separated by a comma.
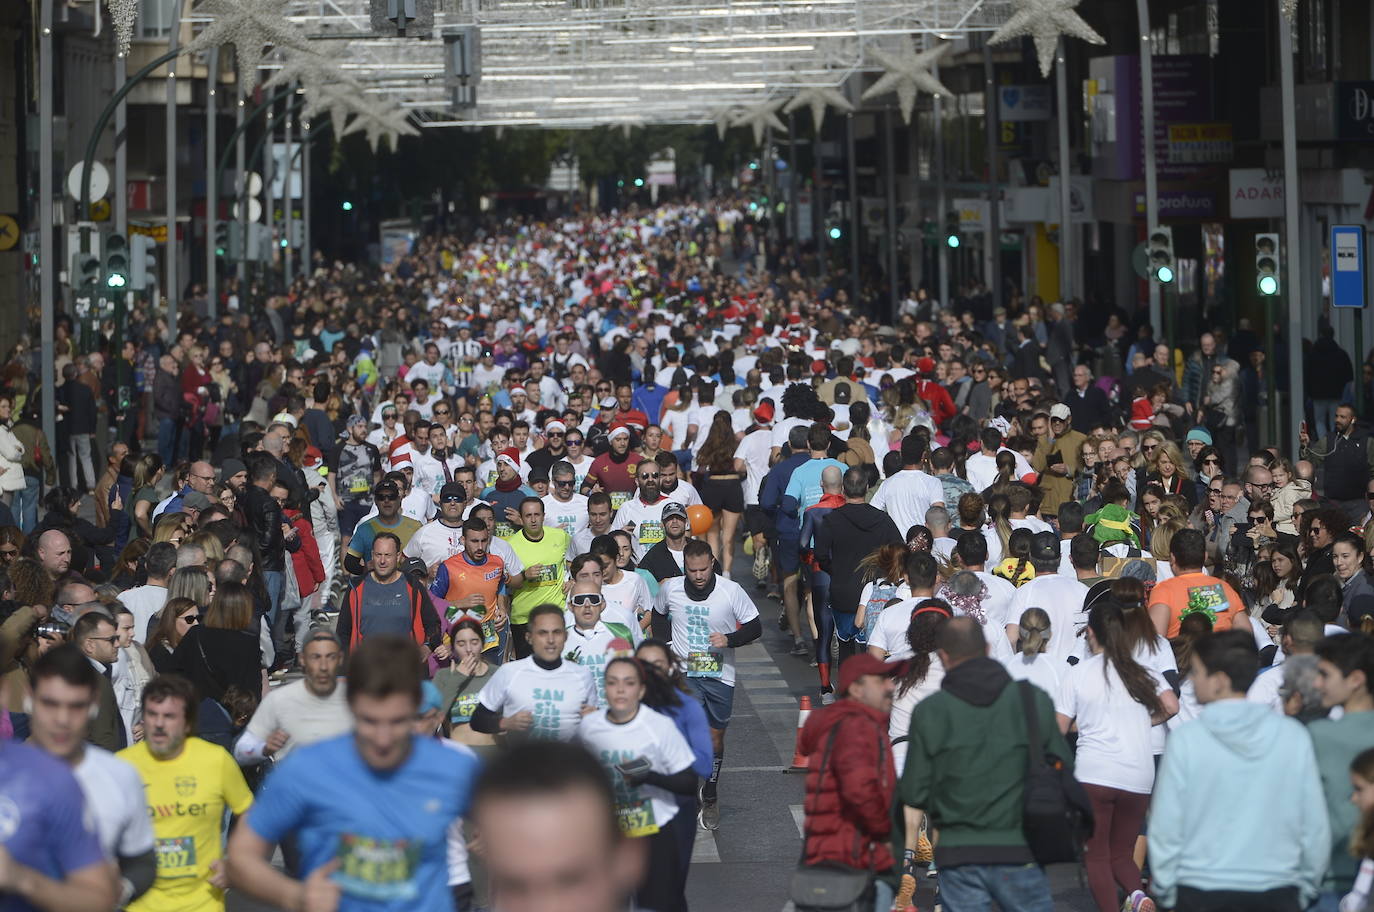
[(1359, 362), (287, 198), (889, 161), (1147, 109), (1061, 81), (853, 212), (941, 247), (1291, 189), (173, 288), (307, 254), (991, 99), (47, 257), (121, 173), (793, 220), (241, 182), (269, 173), (211, 187)]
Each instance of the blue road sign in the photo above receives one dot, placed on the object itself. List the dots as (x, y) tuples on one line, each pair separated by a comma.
[(1347, 266)]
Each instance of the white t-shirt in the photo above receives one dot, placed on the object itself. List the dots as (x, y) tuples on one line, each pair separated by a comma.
[(1060, 597), (899, 722), (305, 717), (1039, 669), (1160, 661), (435, 542), (570, 516), (1034, 523), (649, 735), (628, 600), (1113, 729), (754, 450), (890, 634), (675, 423), (981, 469), (555, 696), (725, 609), (593, 648), (1265, 689), (144, 602), (997, 613), (906, 495), (580, 470), (685, 493), (648, 523), (115, 797)]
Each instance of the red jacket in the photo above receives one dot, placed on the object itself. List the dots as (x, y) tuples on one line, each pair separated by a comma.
[(306, 558), (849, 813), (941, 406)]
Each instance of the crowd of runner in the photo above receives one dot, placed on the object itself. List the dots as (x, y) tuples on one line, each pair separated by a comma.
[(431, 579)]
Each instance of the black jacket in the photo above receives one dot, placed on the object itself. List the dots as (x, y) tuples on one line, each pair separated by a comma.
[(264, 523), (166, 395), (849, 534), (661, 564)]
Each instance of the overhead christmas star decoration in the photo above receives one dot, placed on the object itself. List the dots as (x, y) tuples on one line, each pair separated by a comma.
[(382, 121), (818, 99), (1045, 21), (907, 73), (123, 14), (249, 25), (337, 101), (724, 119), (310, 70), (760, 117)]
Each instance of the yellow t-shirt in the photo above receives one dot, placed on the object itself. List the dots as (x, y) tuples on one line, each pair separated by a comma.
[(186, 801), (551, 553)]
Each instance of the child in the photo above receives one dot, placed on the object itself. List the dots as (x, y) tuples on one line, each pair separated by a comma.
[(1362, 840), (1288, 490)]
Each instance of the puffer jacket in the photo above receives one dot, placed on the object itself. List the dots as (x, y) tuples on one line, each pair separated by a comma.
[(848, 809), (11, 461)]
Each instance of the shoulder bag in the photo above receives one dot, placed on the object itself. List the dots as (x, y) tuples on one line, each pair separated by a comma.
[(1056, 816), (830, 886)]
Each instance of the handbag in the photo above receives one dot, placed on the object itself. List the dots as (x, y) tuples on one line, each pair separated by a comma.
[(1056, 816), (830, 886)]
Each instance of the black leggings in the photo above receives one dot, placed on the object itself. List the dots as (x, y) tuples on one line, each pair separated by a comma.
[(661, 889)]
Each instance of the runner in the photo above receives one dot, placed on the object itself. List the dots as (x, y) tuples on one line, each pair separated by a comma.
[(614, 471), (642, 515), (473, 584), (302, 712), (543, 553), (439, 540), (388, 520), (356, 468), (374, 833), (593, 641), (190, 783), (563, 506), (627, 595), (706, 617)]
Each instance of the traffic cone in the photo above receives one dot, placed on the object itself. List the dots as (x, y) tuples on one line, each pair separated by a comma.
[(798, 758)]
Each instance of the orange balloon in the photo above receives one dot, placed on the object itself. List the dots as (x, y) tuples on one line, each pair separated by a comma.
[(700, 519)]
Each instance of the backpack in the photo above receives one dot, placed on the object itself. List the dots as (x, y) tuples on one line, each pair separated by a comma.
[(1056, 816)]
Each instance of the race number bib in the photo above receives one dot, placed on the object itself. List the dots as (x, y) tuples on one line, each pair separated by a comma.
[(636, 818), (377, 869), (651, 533), (463, 708), (176, 857), (504, 529), (704, 664), (618, 498), (359, 485)]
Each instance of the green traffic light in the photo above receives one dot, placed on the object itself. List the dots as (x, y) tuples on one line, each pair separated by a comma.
[(835, 234), (1165, 274), (347, 206), (115, 280), (219, 251), (639, 182), (1268, 285), (952, 241)]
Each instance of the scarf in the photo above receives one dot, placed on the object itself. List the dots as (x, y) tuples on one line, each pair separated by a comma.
[(699, 594), (505, 487)]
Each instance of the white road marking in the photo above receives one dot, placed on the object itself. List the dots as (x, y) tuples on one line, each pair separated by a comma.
[(799, 817), (704, 849)]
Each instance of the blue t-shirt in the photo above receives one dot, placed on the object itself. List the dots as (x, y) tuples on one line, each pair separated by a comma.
[(388, 831), (804, 486), (43, 818)]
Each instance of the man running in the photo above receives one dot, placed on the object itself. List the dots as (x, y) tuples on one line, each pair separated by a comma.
[(707, 616), (592, 641), (373, 832), (563, 506), (642, 516), (388, 520), (543, 553), (302, 712), (386, 601), (614, 471), (475, 581)]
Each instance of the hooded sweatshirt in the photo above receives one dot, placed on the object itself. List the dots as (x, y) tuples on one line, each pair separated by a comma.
[(849, 534), (966, 763), (1238, 805)]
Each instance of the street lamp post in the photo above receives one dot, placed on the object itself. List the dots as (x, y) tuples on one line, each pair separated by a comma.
[(173, 252)]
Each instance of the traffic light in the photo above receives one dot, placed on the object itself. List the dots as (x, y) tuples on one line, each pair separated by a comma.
[(1267, 264), (347, 206), (116, 261), (835, 232), (639, 182), (142, 262), (952, 239), (1160, 247), (85, 271), (222, 238)]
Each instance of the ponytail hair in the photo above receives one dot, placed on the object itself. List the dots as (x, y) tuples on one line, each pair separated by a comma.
[(1034, 634), (1107, 621)]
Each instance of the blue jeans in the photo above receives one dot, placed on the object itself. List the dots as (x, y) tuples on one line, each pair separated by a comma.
[(167, 440), (883, 894), (25, 506), (974, 888), (1326, 901), (275, 583)]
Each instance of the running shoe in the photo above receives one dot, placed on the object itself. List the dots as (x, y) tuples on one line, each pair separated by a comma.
[(925, 852), (800, 649), (906, 893), (710, 817), (827, 697), (1138, 902), (763, 562)]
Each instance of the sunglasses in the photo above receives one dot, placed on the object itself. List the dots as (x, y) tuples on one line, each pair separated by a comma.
[(190, 619), (11, 553), (452, 498), (561, 482), (386, 498), (649, 476), (1151, 446), (587, 598), (442, 412), (577, 442)]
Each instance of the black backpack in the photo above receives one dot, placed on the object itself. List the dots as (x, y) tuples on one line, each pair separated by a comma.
[(1056, 816)]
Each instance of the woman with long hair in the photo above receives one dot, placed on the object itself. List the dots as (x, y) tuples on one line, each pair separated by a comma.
[(126, 570), (178, 616), (147, 472), (1174, 474), (1030, 662), (1114, 700), (460, 681), (650, 764), (221, 654), (722, 488), (171, 527), (886, 581)]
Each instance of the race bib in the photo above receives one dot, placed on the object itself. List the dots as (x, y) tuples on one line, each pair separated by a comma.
[(377, 869), (504, 529), (618, 498), (463, 708), (704, 664), (651, 533), (359, 485), (176, 857), (548, 573), (636, 818)]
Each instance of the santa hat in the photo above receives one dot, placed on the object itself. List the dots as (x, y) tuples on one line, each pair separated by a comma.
[(402, 455), (511, 457)]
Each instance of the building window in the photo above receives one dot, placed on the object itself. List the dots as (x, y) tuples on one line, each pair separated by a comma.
[(155, 18)]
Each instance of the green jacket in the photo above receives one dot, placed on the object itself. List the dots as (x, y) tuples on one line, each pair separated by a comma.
[(966, 763), (1337, 742)]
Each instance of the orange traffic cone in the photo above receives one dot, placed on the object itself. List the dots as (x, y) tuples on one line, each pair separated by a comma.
[(798, 758)]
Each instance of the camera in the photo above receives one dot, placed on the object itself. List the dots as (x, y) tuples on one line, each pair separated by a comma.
[(52, 627)]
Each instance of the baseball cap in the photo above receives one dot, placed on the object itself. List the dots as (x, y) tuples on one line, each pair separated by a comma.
[(1061, 411), (284, 418), (358, 419), (196, 501), (451, 490), (609, 402), (673, 508), (1045, 547), (386, 488), (857, 666)]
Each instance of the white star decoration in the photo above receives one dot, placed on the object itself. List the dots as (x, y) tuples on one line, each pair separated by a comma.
[(759, 117), (123, 14), (339, 104), (382, 121), (907, 73), (249, 25), (1045, 21), (818, 99), (724, 119)]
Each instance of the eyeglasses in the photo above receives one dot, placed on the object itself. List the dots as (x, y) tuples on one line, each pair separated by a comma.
[(112, 640), (561, 482), (465, 419), (189, 619), (577, 442), (587, 598), (1148, 447), (1258, 518), (386, 498), (442, 412), (1262, 487), (554, 434), (204, 477), (1315, 529)]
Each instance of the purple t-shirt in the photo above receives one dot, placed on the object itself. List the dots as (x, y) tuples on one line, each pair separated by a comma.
[(43, 820)]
